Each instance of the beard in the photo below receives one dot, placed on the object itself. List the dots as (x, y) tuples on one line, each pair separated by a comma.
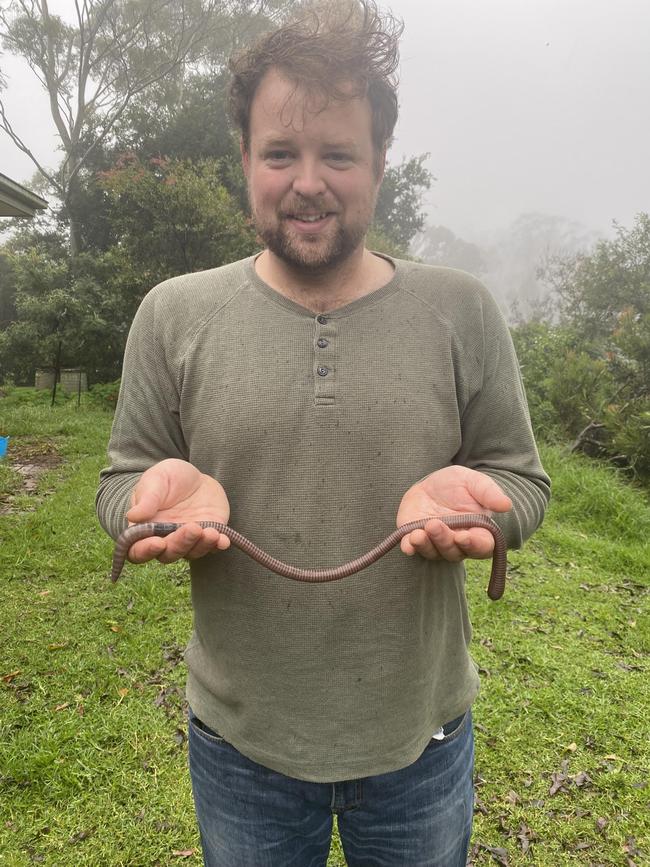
[(317, 253), (309, 255)]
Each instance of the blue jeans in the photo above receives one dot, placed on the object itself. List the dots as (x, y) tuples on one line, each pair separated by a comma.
[(250, 816)]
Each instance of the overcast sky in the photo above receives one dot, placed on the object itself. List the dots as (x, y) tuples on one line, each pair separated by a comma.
[(523, 105)]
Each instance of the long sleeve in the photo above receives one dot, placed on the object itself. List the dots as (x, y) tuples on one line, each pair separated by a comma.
[(497, 436)]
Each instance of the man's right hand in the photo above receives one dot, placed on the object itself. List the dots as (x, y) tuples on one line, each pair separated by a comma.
[(176, 491)]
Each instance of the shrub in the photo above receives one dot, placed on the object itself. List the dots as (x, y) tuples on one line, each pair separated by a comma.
[(105, 394)]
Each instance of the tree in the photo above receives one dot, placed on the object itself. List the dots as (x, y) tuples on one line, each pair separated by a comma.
[(167, 217), (171, 217), (438, 245), (398, 215), (93, 69), (68, 312)]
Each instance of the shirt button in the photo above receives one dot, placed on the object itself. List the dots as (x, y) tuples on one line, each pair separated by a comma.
[(322, 320), (322, 343), (323, 371)]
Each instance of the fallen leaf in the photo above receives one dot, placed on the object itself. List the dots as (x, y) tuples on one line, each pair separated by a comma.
[(581, 779), (115, 628), (7, 678), (558, 779), (44, 592), (58, 646), (62, 706), (499, 855), (601, 823), (630, 846), (525, 837), (572, 748), (183, 853)]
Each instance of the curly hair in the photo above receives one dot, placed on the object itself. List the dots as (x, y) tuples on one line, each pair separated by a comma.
[(335, 50)]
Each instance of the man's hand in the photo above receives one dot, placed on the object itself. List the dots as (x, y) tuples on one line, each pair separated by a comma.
[(176, 491), (450, 491)]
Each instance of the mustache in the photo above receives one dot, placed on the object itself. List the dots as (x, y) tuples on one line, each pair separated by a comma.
[(316, 206)]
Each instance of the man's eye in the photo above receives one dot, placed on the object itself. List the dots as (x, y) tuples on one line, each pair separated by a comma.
[(278, 156), (338, 157)]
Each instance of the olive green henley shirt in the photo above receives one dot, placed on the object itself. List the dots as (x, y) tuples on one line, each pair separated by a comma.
[(316, 425)]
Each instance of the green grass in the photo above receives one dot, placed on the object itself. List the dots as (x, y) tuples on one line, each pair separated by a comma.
[(92, 728)]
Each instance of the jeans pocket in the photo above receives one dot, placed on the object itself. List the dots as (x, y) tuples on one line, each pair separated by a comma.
[(451, 730), (205, 731)]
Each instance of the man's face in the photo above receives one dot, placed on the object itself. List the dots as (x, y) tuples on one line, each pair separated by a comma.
[(312, 174)]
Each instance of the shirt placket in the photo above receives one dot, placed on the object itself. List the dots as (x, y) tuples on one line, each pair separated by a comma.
[(324, 361)]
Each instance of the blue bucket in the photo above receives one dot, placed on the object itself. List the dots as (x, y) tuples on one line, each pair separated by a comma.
[(4, 442)]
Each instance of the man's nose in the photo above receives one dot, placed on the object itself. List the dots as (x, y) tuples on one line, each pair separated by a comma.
[(308, 181)]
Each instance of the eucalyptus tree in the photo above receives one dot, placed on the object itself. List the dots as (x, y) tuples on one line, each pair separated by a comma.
[(95, 65)]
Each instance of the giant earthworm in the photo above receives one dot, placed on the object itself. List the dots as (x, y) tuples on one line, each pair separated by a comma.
[(496, 584)]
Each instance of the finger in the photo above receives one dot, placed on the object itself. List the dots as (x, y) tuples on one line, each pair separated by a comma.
[(184, 543), (437, 540), (442, 540), (418, 542), (476, 543), (147, 549), (210, 540), (167, 549)]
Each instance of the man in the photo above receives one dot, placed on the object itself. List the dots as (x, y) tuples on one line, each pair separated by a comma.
[(321, 394)]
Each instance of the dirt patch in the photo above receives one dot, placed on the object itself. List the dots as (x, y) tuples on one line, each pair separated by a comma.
[(29, 458)]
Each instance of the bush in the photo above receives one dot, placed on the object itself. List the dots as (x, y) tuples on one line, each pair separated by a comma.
[(588, 378), (13, 396), (105, 394)]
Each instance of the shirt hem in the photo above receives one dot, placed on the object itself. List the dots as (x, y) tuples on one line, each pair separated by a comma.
[(330, 772)]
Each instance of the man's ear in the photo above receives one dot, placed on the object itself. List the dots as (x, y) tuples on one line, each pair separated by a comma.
[(245, 156)]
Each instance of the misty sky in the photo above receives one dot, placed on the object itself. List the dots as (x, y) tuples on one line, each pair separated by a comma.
[(524, 105)]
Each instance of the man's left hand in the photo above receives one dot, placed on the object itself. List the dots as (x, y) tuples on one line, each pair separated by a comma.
[(450, 491)]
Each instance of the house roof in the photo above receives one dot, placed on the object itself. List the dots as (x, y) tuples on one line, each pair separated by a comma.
[(16, 201)]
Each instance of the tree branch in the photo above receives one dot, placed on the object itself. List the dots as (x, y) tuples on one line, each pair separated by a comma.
[(20, 144)]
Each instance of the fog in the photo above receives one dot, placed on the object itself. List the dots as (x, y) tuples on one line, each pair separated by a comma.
[(528, 105), (525, 107)]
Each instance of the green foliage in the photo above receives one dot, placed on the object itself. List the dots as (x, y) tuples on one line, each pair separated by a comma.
[(105, 394), (13, 397), (399, 216), (376, 240), (588, 377), (69, 312), (596, 289), (7, 290), (540, 350), (172, 217)]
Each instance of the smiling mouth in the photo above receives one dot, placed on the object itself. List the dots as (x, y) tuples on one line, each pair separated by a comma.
[(309, 218)]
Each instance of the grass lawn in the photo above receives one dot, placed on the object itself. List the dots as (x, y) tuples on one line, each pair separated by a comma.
[(92, 726)]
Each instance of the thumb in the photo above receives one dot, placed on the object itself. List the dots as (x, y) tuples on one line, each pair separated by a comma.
[(148, 496), (487, 493)]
